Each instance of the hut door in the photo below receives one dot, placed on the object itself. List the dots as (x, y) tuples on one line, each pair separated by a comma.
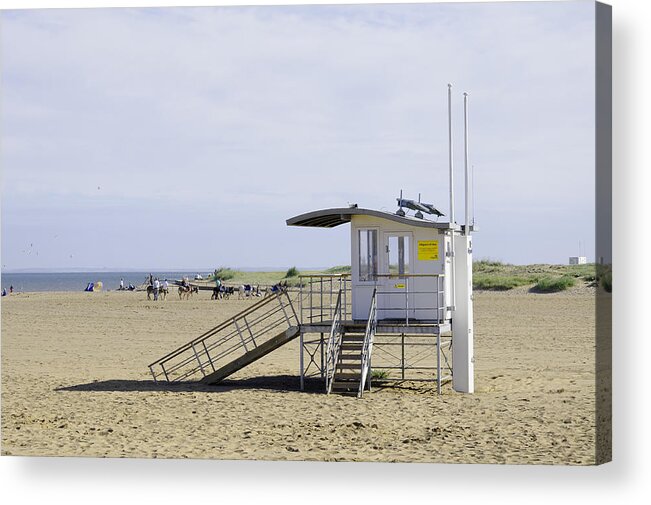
[(394, 300)]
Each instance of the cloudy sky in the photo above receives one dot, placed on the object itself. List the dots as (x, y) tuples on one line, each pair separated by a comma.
[(184, 138)]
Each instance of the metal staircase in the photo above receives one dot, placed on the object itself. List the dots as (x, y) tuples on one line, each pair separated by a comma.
[(349, 355), (233, 344)]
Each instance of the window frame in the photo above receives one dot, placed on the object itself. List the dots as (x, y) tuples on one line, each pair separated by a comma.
[(372, 277)]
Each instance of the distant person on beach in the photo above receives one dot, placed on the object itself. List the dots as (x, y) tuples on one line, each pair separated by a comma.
[(11, 289), (121, 284), (4, 292), (217, 290), (156, 288), (151, 280)]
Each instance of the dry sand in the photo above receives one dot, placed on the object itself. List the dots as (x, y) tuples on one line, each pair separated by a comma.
[(75, 382)]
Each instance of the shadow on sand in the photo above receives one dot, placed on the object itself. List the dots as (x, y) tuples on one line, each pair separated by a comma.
[(272, 383)]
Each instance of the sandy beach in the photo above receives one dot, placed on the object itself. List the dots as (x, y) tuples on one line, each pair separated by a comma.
[(75, 383)]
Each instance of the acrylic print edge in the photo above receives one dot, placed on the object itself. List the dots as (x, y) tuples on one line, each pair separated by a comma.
[(603, 232)]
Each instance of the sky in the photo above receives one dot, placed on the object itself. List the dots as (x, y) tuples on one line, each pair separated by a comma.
[(184, 137)]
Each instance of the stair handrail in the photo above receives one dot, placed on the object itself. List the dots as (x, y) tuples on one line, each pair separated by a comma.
[(334, 345), (367, 348)]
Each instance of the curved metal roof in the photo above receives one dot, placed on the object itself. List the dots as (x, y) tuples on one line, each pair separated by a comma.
[(329, 218)]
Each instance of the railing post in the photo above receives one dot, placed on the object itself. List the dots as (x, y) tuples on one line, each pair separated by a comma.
[(165, 372), (291, 306), (311, 302), (440, 299), (237, 327), (280, 302), (332, 352), (403, 356), (370, 374), (322, 341), (330, 299), (208, 355), (374, 287), (438, 362), (327, 373), (300, 299), (196, 355), (248, 327), (407, 300), (345, 289), (302, 380), (367, 346)]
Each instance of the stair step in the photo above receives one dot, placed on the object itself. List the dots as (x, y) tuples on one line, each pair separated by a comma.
[(349, 366), (356, 370), (345, 385), (347, 337), (346, 376), (349, 357), (352, 346)]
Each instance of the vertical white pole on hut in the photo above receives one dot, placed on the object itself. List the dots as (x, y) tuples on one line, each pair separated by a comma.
[(452, 269), (463, 367), (465, 162), (450, 153)]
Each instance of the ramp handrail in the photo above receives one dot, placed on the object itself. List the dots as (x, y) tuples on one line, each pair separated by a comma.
[(334, 344), (247, 328), (367, 348)]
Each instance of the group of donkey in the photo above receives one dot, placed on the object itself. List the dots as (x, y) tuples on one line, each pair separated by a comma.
[(185, 292), (246, 291), (222, 292)]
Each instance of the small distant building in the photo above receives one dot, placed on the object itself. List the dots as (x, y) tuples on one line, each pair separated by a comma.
[(578, 260)]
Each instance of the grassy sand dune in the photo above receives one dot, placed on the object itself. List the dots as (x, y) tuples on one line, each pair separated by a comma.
[(543, 278)]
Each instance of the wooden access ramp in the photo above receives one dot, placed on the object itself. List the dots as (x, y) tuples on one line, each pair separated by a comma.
[(230, 346)]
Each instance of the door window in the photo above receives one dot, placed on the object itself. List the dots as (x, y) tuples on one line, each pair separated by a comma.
[(398, 250)]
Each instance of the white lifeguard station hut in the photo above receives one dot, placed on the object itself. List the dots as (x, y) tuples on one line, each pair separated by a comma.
[(404, 310), (409, 294)]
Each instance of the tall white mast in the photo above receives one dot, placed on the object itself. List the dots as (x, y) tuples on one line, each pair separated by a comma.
[(453, 288), (465, 148), (450, 154)]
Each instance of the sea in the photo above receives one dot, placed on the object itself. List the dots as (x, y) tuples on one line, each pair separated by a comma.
[(77, 281)]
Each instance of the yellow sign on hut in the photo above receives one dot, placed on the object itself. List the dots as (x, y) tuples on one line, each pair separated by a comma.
[(428, 250)]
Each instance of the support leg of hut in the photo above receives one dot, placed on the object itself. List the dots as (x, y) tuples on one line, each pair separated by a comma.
[(463, 361), (300, 364)]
